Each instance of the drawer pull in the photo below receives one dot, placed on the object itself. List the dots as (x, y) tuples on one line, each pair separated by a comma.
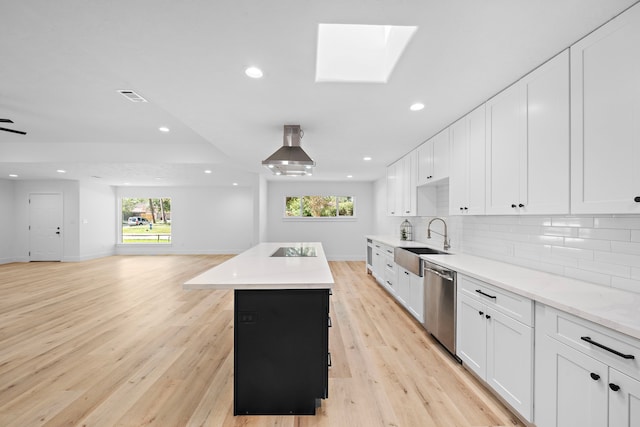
[(486, 295), (329, 360), (329, 322), (604, 347), (487, 316), (614, 387), (481, 313), (595, 376)]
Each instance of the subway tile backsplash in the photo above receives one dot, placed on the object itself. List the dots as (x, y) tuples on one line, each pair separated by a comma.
[(599, 249)]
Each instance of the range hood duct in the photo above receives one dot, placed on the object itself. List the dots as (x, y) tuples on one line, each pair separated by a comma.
[(290, 159)]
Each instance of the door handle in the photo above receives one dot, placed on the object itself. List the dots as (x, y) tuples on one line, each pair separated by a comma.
[(57, 232)]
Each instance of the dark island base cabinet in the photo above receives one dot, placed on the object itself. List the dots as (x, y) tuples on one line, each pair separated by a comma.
[(281, 351)]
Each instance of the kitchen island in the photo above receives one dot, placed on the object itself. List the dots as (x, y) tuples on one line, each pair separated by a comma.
[(281, 320)]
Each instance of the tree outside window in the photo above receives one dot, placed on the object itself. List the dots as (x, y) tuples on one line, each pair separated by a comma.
[(319, 206)]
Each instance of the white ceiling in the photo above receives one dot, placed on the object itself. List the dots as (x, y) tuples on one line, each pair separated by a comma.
[(61, 63)]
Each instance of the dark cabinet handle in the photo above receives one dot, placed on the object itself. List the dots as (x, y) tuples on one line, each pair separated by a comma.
[(521, 205), (329, 359), (461, 208), (466, 208), (406, 272), (636, 199), (329, 324), (604, 347), (389, 283), (487, 316), (514, 206), (481, 313), (614, 387), (486, 295), (595, 376)]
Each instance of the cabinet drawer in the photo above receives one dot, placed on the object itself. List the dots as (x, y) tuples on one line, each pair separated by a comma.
[(613, 348), (515, 306)]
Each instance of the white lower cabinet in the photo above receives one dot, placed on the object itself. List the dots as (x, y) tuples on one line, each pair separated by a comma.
[(624, 404), (579, 383), (411, 293), (491, 343)]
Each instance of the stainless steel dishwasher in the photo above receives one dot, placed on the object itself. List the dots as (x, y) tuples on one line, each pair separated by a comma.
[(440, 304)]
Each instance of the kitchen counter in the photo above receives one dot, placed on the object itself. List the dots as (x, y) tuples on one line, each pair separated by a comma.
[(257, 269), (613, 308)]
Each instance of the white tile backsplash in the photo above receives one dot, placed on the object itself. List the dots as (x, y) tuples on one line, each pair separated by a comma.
[(598, 249)]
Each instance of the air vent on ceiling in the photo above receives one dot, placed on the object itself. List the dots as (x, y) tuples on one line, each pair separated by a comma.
[(131, 95)]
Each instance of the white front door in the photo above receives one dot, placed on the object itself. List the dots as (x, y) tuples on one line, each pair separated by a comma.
[(45, 227)]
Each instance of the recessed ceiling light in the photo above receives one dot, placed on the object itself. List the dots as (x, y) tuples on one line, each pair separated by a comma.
[(366, 158), (164, 129), (61, 171), (253, 72), (235, 183), (127, 183), (13, 175), (349, 176), (207, 171), (416, 107)]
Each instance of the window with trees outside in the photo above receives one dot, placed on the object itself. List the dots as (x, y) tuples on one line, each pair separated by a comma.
[(146, 220), (319, 207)]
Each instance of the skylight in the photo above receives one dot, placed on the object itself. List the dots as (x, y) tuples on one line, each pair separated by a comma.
[(359, 53)]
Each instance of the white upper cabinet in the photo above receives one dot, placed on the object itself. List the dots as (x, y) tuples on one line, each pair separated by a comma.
[(433, 158), (527, 143), (605, 118), (467, 164), (401, 186)]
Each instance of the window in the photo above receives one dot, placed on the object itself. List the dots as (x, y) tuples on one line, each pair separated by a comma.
[(146, 220), (319, 207)]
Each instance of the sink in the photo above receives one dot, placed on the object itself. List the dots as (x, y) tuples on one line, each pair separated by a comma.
[(409, 258), (425, 251)]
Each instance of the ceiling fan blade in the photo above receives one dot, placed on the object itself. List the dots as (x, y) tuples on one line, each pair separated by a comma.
[(6, 121), (13, 130)]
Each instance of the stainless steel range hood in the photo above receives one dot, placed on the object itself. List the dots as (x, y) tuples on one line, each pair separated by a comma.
[(290, 159)]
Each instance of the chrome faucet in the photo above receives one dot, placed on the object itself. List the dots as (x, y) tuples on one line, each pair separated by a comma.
[(447, 246)]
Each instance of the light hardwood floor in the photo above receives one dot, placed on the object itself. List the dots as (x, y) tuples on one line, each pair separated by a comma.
[(117, 341)]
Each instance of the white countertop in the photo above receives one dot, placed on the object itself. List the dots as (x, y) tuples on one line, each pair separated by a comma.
[(257, 269), (613, 308)]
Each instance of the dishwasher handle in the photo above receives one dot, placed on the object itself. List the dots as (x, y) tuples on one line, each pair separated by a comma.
[(437, 273)]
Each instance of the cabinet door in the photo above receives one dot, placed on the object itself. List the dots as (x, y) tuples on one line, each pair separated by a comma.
[(404, 287), (576, 394), (458, 182), (378, 265), (506, 139), (476, 161), (441, 155), (409, 183), (425, 162), (416, 297), (510, 361), (471, 334), (392, 191), (605, 118), (545, 189), (624, 402)]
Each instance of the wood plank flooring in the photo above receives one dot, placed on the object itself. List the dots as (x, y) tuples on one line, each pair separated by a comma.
[(118, 342)]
